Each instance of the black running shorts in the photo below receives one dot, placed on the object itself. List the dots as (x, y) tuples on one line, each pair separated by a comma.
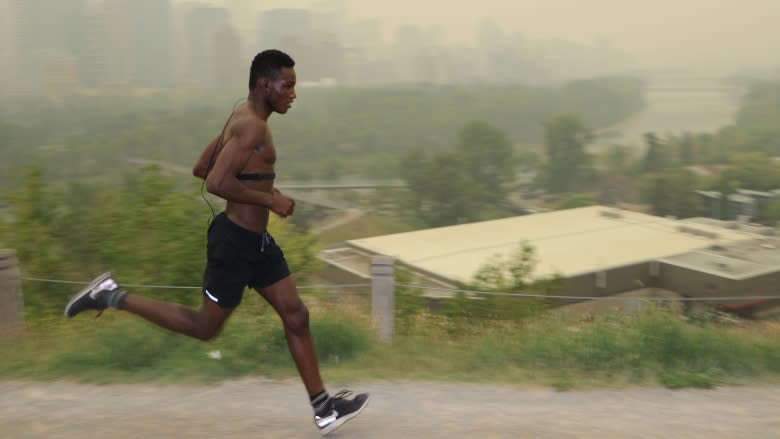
[(238, 258)]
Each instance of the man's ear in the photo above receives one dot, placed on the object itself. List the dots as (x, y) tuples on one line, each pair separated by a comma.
[(265, 83)]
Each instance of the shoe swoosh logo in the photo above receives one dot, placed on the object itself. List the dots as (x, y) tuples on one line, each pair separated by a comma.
[(105, 285), (324, 422)]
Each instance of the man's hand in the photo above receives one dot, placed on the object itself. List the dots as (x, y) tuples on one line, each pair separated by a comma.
[(281, 204)]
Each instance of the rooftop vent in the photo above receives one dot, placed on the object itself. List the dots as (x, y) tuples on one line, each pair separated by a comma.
[(611, 214)]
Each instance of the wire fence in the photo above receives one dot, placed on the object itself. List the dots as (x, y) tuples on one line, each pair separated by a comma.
[(363, 288)]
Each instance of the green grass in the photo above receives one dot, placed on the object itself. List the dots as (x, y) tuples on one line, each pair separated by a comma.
[(652, 348)]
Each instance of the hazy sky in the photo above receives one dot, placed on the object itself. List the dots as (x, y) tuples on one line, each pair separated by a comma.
[(722, 34)]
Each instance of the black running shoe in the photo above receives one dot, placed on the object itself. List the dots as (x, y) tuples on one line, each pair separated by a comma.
[(93, 296), (343, 410)]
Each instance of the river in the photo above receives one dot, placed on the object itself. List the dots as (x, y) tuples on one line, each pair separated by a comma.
[(677, 106)]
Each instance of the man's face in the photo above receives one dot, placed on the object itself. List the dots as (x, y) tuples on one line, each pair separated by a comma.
[(281, 90)]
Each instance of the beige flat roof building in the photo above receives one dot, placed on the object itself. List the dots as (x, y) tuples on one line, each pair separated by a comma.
[(566, 242)]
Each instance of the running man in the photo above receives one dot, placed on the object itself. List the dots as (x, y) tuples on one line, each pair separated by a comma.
[(238, 166)]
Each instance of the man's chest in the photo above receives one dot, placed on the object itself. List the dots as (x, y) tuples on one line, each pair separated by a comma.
[(263, 154)]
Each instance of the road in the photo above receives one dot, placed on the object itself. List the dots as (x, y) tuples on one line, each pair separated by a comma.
[(346, 217), (255, 408)]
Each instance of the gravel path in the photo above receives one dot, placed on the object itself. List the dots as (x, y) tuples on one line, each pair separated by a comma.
[(254, 408)]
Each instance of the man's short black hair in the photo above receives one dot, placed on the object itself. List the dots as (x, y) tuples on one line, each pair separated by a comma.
[(267, 65)]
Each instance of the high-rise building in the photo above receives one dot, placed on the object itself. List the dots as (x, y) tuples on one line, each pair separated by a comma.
[(243, 14), (284, 29), (364, 51), (311, 38), (60, 76), (330, 15), (243, 17), (228, 68), (92, 60), (200, 26), (137, 43), (116, 49), (41, 31), (8, 53)]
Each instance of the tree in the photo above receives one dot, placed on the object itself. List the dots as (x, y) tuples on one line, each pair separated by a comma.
[(672, 193), (450, 196), (568, 164), (415, 168), (29, 232), (656, 157), (771, 214), (686, 149), (508, 274), (574, 201), (618, 159), (512, 273), (754, 170), (486, 155), (468, 184)]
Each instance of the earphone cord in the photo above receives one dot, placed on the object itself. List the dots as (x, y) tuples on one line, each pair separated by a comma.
[(217, 148)]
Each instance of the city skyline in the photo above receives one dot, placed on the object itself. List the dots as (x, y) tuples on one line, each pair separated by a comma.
[(676, 34), (58, 46)]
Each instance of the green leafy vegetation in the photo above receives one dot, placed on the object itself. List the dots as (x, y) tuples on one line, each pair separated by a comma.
[(652, 347), (147, 232)]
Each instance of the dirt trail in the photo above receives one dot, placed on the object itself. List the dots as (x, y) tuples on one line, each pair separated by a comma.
[(253, 408)]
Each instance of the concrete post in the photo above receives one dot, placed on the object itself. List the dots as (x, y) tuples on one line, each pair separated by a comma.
[(382, 297), (11, 318)]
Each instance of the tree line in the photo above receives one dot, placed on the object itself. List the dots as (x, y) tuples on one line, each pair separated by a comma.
[(475, 178), (331, 132)]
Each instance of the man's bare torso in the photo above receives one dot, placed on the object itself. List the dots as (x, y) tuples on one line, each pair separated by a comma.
[(262, 161)]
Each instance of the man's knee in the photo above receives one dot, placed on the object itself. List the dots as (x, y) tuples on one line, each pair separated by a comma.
[(206, 332), (297, 318), (207, 323)]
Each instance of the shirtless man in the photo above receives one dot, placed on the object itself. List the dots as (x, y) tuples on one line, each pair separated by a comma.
[(238, 166)]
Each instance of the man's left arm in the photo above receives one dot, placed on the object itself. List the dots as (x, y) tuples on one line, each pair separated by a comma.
[(278, 193), (206, 159)]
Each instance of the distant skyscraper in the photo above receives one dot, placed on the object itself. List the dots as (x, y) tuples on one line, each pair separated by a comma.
[(42, 31), (243, 14), (61, 77), (312, 39), (8, 49), (284, 29), (330, 15), (152, 41), (138, 38), (50, 24), (228, 68), (200, 25), (92, 60)]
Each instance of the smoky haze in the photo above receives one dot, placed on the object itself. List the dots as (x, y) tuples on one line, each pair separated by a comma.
[(57, 47), (693, 35)]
